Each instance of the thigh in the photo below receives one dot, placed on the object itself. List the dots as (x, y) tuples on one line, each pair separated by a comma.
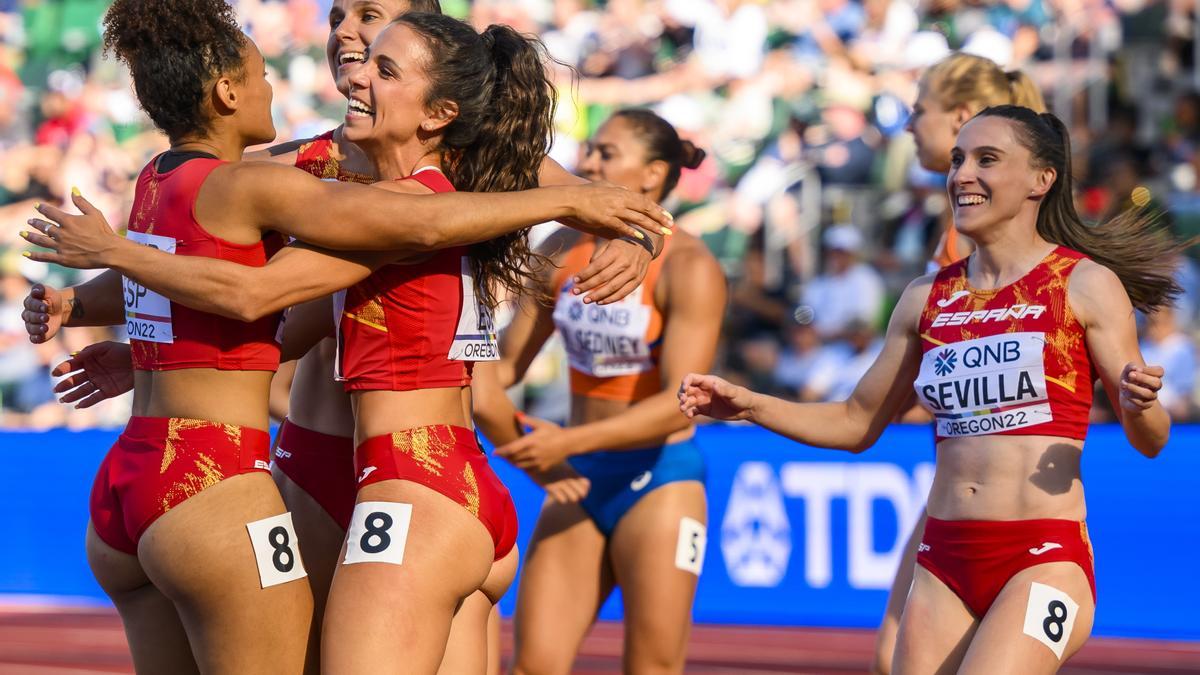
[(467, 646), (935, 628), (885, 640), (381, 614), (155, 634), (656, 589), (566, 559), (1002, 643), (495, 648), (322, 539), (200, 555)]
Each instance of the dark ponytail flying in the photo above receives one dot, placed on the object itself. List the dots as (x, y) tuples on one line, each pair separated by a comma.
[(502, 133), (1133, 245)]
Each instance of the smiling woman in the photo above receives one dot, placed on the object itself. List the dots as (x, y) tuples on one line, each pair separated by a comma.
[(1001, 348)]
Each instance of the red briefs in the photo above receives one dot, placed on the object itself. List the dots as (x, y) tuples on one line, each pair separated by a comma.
[(446, 459), (158, 463), (976, 558), (321, 465)]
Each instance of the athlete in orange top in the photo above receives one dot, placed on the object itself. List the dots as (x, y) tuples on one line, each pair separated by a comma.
[(1001, 348), (644, 476)]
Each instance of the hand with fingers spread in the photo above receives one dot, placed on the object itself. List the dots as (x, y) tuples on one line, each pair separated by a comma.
[(1139, 387), (616, 270), (95, 373), (79, 241), (46, 311), (711, 396), (562, 484), (545, 447), (609, 211)]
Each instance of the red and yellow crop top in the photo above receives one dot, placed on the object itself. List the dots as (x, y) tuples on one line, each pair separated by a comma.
[(613, 350), (414, 326), (168, 336), (1012, 360)]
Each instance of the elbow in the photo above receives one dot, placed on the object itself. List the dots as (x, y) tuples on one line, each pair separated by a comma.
[(1153, 447), (245, 308)]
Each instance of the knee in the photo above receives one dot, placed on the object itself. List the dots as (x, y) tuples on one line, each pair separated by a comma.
[(545, 661)]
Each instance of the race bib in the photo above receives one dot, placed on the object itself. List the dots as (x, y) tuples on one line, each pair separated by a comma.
[(475, 336), (985, 385), (148, 314), (604, 340)]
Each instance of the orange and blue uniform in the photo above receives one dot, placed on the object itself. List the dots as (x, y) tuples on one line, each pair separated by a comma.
[(157, 463), (419, 326), (1007, 361), (613, 352)]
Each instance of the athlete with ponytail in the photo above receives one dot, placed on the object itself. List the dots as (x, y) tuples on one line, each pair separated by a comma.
[(951, 92), (1001, 348), (630, 481), (188, 535)]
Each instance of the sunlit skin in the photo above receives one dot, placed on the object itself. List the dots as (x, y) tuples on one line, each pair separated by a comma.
[(996, 190), (353, 26), (614, 154), (934, 129)]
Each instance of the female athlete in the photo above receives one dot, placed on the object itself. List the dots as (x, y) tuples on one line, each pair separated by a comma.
[(646, 497), (314, 451), (1000, 348), (204, 570), (951, 92)]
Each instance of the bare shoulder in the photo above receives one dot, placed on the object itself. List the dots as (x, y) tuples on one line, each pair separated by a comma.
[(1095, 291), (912, 301), (280, 153), (690, 258)]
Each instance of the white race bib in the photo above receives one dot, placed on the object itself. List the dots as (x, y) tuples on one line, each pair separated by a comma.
[(985, 385), (475, 336), (148, 314), (604, 340)]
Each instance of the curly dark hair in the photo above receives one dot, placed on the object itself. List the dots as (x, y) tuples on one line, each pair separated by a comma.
[(174, 50), (497, 143)]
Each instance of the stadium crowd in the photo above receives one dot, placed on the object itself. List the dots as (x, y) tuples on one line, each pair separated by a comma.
[(811, 197)]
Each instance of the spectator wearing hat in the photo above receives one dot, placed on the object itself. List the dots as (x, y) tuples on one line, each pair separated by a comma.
[(849, 290)]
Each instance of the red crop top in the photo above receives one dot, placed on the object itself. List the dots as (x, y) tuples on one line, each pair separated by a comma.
[(168, 336), (1012, 360), (415, 326)]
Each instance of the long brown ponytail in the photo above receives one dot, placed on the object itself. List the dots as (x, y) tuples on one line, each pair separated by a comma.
[(1133, 245), (502, 132), (975, 82)]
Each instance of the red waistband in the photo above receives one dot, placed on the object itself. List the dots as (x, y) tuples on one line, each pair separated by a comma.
[(299, 438), (427, 441), (156, 429)]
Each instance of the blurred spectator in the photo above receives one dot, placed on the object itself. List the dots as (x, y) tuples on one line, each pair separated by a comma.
[(849, 293), (1164, 344), (839, 366)]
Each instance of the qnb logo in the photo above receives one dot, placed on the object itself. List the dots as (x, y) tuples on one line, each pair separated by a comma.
[(944, 362), (575, 311), (1014, 312)]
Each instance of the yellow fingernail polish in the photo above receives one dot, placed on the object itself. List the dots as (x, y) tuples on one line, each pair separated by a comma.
[(27, 254), (667, 231), (638, 234), (75, 192), (74, 353), (37, 206), (24, 233)]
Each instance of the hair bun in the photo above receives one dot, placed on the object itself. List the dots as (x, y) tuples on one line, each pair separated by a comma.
[(691, 157)]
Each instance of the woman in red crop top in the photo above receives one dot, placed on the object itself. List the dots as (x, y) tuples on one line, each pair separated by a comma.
[(1002, 349), (314, 450), (644, 476), (204, 570)]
